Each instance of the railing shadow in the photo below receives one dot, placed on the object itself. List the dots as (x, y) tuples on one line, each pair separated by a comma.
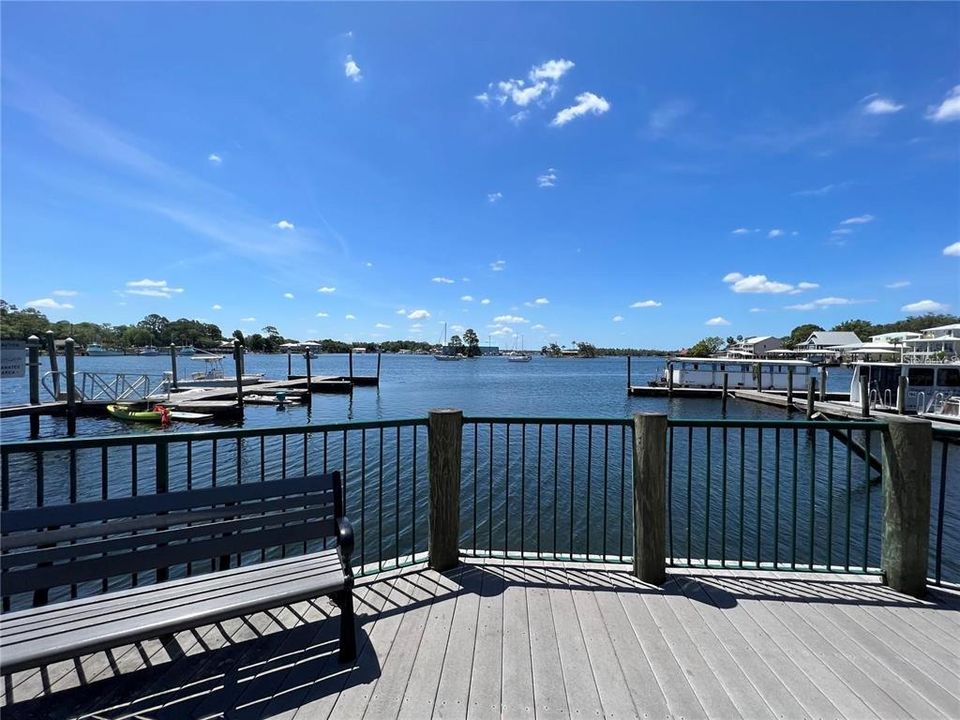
[(273, 673)]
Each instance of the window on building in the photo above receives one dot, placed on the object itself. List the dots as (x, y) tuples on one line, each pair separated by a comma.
[(920, 377), (948, 377)]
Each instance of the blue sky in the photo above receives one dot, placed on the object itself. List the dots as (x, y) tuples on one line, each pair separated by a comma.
[(634, 175)]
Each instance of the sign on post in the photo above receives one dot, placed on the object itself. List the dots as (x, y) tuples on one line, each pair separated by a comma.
[(13, 358)]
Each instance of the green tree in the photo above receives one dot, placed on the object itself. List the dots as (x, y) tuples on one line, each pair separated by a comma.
[(862, 328), (456, 342), (156, 325), (237, 335), (587, 350), (16, 324), (799, 334), (472, 342), (551, 350), (706, 347)]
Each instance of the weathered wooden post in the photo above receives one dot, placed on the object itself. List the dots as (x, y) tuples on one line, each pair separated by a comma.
[(669, 378), (723, 397), (379, 353), (68, 350), (33, 363), (649, 497), (289, 364), (238, 369), (52, 355), (906, 504), (823, 384), (445, 439), (173, 363), (864, 396), (811, 396), (628, 373), (901, 395), (758, 374), (351, 364), (789, 387)]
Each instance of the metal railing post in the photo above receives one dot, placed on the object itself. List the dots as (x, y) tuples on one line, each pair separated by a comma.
[(907, 445), (68, 346), (52, 356), (445, 441), (33, 361), (649, 497)]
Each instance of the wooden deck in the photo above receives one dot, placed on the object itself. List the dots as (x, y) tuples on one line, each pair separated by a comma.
[(523, 639)]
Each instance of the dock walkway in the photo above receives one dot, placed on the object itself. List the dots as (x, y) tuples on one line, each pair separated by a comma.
[(516, 639)]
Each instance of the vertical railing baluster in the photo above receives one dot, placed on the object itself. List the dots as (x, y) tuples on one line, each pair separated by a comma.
[(240, 461), (606, 466), (743, 473), (306, 456), (573, 463), (793, 503), (213, 463), (941, 499), (589, 484), (413, 524), (813, 494), (283, 455), (5, 482), (776, 499), (849, 444), (829, 502), (523, 488), (325, 448), (73, 498), (706, 532), (866, 507), (723, 503), (759, 493), (396, 506), (506, 494), (476, 450), (623, 484), (189, 464), (556, 485), (539, 479), (490, 503), (134, 482), (380, 504), (670, 449), (363, 499), (689, 494)]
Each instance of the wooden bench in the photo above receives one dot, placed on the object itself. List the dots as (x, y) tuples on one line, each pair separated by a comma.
[(65, 545)]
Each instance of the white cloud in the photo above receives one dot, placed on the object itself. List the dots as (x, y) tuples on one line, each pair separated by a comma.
[(467, 298), (326, 289), (586, 103), (284, 225), (368, 264), (48, 304), (485, 301), (216, 307), (547, 179), (352, 70), (248, 320), (382, 326), (841, 231), (442, 280), (541, 84), (349, 316), (952, 250), (498, 265), (815, 192), (538, 326), (515, 319), (858, 220), (322, 314), (494, 197), (666, 116), (418, 315), (741, 231), (65, 293), (646, 304), (807, 286), (881, 106), (948, 110), (483, 98), (924, 306), (618, 318), (541, 301), (214, 159), (152, 288), (551, 70), (288, 296), (755, 284), (824, 303), (776, 232), (519, 92), (756, 310), (719, 320), (905, 283), (503, 331), (519, 117)]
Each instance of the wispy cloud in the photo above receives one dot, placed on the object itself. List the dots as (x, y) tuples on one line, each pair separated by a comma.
[(646, 304), (442, 280), (65, 293), (666, 115), (858, 220), (322, 314), (820, 191), (538, 326), (775, 233), (326, 289), (284, 225), (547, 179), (288, 295), (807, 285), (756, 310), (351, 70), (925, 306), (349, 316), (876, 105), (540, 85), (948, 110), (952, 250), (216, 307), (826, 302), (903, 283), (151, 288), (755, 284), (485, 301), (214, 159), (382, 326), (248, 320), (586, 104), (718, 320), (467, 298), (48, 304), (515, 319), (541, 301), (618, 318), (418, 315), (494, 197), (741, 231), (498, 265)]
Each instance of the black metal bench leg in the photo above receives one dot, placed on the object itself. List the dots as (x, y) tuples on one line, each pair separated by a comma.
[(348, 630)]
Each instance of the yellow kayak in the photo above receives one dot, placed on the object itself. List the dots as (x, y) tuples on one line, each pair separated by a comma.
[(159, 414)]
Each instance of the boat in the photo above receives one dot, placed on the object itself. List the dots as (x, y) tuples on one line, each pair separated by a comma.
[(444, 356), (98, 350), (687, 372), (187, 350), (518, 356), (157, 414), (213, 376), (149, 351)]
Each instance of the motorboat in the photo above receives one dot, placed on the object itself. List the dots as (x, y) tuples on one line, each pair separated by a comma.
[(98, 350), (149, 351), (212, 374)]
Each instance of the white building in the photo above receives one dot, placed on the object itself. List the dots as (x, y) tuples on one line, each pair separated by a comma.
[(829, 340)]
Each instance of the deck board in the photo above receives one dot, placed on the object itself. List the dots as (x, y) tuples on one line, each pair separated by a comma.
[(497, 638)]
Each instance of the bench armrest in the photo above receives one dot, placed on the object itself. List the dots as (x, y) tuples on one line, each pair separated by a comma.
[(345, 543)]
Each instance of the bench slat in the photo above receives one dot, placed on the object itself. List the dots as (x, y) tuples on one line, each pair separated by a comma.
[(91, 633)]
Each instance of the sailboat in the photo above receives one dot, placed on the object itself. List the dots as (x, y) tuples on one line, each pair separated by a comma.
[(518, 356), (443, 344)]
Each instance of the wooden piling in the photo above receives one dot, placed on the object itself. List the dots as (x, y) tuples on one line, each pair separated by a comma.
[(52, 355), (811, 396), (306, 358), (723, 397), (628, 374), (901, 395), (289, 364), (238, 368), (68, 368), (669, 378), (649, 497), (758, 371), (33, 362), (864, 396), (173, 363), (351, 363), (823, 384), (445, 440), (907, 444), (789, 387), (379, 354)]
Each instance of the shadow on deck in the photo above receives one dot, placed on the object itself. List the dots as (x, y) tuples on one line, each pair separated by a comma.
[(509, 638)]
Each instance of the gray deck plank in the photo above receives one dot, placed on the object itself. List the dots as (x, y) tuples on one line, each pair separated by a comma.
[(485, 677), (420, 695), (517, 698), (580, 687), (549, 694), (613, 685), (454, 683)]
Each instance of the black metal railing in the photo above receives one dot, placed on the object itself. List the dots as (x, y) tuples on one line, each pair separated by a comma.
[(945, 512)]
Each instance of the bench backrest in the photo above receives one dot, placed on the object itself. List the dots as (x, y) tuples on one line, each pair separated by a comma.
[(63, 545)]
